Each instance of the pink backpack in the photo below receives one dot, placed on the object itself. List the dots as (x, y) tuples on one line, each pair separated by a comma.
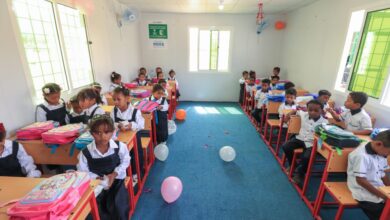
[(34, 131), (147, 106), (63, 135), (140, 93), (130, 85), (53, 198)]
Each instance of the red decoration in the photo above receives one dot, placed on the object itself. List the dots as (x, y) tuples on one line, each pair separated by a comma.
[(260, 14), (280, 25)]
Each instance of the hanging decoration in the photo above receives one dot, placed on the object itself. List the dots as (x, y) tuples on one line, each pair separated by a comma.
[(260, 21), (85, 6), (280, 25)]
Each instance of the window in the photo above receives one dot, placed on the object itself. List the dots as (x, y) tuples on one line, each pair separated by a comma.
[(55, 43), (209, 50)]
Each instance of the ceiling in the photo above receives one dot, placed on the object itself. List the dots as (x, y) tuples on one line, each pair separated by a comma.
[(211, 6)]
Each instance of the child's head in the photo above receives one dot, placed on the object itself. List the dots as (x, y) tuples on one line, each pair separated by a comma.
[(88, 97), (265, 84), (381, 143), (158, 91), (102, 128), (324, 96), (275, 79), (160, 75), (141, 76), (314, 108), (97, 86), (356, 100), (162, 82), (276, 71), (252, 74), (116, 78), (75, 105), (245, 74), (290, 95), (252, 81), (121, 96), (3, 133), (289, 85), (158, 70), (172, 73), (52, 93), (142, 70)]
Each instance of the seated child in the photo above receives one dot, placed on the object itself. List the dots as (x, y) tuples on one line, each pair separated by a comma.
[(98, 88), (141, 80), (276, 72), (163, 83), (143, 70), (162, 112), (289, 103), (116, 80), (274, 81), (160, 75), (172, 77), (261, 97), (323, 97), (355, 118), (309, 120), (76, 115), (252, 74), (158, 70), (107, 159), (14, 161), (242, 81), (366, 172), (289, 85), (53, 108), (88, 100), (250, 85)]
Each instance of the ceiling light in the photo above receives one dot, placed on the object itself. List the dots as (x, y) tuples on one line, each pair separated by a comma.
[(220, 7)]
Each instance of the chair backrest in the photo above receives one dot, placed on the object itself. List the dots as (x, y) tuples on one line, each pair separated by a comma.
[(110, 101), (338, 163), (302, 92), (273, 107), (275, 92), (172, 84), (294, 124), (148, 121)]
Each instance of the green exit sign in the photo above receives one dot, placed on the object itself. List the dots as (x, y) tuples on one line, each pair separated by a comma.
[(158, 31)]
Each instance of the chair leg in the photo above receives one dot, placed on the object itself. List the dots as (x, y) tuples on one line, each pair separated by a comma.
[(271, 129), (320, 199), (339, 212), (292, 165), (278, 141)]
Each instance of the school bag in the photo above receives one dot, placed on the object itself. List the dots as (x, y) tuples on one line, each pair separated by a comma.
[(279, 86), (83, 140), (140, 93), (63, 135), (337, 137), (376, 131), (147, 106), (53, 198), (130, 85), (34, 131), (275, 97)]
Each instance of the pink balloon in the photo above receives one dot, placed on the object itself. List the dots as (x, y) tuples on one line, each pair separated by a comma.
[(171, 189)]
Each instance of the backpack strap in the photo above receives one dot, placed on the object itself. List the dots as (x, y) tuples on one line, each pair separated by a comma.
[(117, 149), (134, 115), (115, 115), (42, 106), (163, 101), (87, 154), (15, 148), (93, 112)]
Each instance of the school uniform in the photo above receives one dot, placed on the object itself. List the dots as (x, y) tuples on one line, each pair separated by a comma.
[(92, 111), (177, 85), (161, 119), (104, 99), (14, 161), (303, 140), (249, 88), (261, 97), (364, 162), (47, 112), (356, 120), (286, 106), (141, 83), (114, 202), (242, 89), (113, 86), (75, 118)]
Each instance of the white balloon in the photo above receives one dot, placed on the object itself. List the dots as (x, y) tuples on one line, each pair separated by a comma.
[(227, 153), (161, 152)]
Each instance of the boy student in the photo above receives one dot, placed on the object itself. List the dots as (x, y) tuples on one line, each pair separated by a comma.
[(249, 85), (276, 71), (244, 77), (261, 97), (323, 97), (274, 81), (309, 120), (355, 118), (366, 165)]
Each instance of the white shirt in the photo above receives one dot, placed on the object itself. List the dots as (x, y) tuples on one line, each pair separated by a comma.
[(99, 110), (261, 98), (165, 105), (241, 80), (249, 88), (112, 87), (25, 160), (306, 133), (95, 153), (358, 121), (41, 114), (104, 99), (166, 92), (142, 83), (364, 162), (139, 123), (283, 107)]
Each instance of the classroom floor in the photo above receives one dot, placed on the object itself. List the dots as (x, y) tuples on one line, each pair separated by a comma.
[(251, 187)]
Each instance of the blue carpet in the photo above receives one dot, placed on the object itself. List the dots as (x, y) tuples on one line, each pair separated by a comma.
[(251, 187)]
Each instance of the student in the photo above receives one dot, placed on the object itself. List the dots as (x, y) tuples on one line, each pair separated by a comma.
[(242, 81), (14, 161), (276, 71), (323, 97), (129, 118), (76, 116), (250, 85), (261, 97), (309, 120), (160, 75), (355, 118), (289, 102), (143, 70), (106, 159), (252, 74), (88, 100), (53, 108), (116, 80), (366, 172), (172, 77), (98, 88), (289, 85), (162, 113), (141, 80), (163, 83), (158, 70), (274, 81)]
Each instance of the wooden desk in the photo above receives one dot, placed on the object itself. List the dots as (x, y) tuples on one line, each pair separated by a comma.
[(12, 188), (108, 108), (302, 92)]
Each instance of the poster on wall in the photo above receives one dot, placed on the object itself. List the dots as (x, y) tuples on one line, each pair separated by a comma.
[(158, 35)]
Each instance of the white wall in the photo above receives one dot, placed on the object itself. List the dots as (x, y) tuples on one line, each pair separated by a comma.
[(313, 44), (249, 51), (112, 49)]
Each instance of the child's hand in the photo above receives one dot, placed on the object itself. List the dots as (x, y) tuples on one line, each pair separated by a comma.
[(159, 107), (330, 110), (111, 178)]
